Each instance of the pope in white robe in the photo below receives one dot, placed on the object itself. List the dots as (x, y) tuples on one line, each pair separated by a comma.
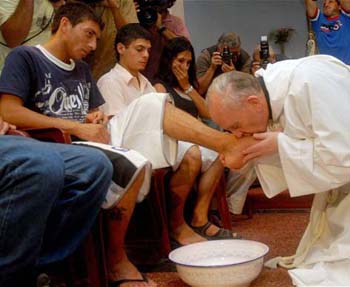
[(307, 103)]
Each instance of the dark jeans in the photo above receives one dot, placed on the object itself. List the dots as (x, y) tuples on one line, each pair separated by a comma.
[(50, 195)]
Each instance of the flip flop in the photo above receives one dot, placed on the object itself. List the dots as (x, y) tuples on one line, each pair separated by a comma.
[(121, 281), (221, 234)]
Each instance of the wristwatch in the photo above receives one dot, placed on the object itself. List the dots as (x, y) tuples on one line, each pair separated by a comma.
[(189, 90)]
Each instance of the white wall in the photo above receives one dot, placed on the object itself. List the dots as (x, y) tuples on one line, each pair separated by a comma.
[(208, 19)]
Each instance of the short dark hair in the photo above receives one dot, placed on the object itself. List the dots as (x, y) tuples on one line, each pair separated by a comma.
[(174, 47), (130, 32), (76, 12)]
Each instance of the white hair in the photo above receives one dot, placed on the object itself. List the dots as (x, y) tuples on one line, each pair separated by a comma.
[(233, 87)]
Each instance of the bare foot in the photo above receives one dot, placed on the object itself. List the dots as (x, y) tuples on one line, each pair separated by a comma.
[(124, 269), (185, 235)]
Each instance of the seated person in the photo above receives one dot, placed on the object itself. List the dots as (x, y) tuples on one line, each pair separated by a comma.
[(227, 55), (120, 87), (177, 76), (50, 196), (48, 86)]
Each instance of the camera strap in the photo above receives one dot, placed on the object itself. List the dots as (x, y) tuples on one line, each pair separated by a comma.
[(35, 35)]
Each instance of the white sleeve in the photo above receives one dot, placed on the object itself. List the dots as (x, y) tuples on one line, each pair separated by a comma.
[(314, 148)]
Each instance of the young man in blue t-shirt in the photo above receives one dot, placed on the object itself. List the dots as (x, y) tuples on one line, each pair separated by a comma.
[(331, 27), (49, 86)]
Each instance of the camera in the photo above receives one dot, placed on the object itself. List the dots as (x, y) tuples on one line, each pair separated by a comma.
[(227, 56), (264, 52), (148, 12)]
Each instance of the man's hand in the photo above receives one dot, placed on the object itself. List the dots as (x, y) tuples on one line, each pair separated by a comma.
[(228, 68), (96, 117), (4, 127), (92, 132), (267, 145), (255, 66), (216, 59)]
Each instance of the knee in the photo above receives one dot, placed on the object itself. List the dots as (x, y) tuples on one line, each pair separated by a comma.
[(192, 160)]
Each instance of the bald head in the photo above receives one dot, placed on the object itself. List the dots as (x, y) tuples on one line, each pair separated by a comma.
[(237, 103), (233, 87)]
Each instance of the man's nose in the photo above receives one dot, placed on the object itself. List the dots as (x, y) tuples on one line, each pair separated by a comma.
[(93, 45)]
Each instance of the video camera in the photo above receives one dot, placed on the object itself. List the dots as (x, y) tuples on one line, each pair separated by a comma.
[(148, 12), (264, 52)]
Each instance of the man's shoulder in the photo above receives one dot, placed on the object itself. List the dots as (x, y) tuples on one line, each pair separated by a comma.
[(24, 49)]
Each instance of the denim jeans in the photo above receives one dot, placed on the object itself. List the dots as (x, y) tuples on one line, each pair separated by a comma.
[(50, 195)]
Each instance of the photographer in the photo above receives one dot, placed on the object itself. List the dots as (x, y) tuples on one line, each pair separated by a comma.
[(154, 17), (257, 62), (24, 22), (114, 14), (331, 27), (227, 55)]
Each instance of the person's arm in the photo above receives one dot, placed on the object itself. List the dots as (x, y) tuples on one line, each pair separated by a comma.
[(182, 126), (16, 28), (345, 5), (206, 67), (164, 31), (115, 7), (311, 8), (13, 111)]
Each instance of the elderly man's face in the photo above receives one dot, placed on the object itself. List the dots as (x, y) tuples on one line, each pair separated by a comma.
[(241, 119), (331, 8)]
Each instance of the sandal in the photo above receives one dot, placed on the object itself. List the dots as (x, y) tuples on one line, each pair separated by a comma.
[(221, 234), (122, 281)]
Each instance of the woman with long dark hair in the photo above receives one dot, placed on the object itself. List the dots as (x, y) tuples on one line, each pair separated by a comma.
[(177, 76)]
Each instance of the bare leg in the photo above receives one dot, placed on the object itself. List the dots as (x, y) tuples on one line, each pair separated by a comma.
[(180, 185), (206, 188), (119, 266), (182, 126)]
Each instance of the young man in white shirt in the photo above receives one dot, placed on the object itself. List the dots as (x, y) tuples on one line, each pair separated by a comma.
[(124, 84)]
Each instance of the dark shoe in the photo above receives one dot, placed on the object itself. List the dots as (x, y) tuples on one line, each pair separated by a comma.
[(121, 281), (44, 280), (175, 244), (221, 234)]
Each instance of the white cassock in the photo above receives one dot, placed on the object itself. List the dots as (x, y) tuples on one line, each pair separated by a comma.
[(310, 100)]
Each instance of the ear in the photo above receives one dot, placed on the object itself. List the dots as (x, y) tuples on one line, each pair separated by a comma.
[(222, 159), (254, 102), (65, 24), (120, 48)]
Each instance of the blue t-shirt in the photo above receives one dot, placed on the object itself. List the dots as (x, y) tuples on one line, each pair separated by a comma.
[(333, 35), (48, 85)]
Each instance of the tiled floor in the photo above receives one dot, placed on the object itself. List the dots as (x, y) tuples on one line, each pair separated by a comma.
[(281, 231)]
